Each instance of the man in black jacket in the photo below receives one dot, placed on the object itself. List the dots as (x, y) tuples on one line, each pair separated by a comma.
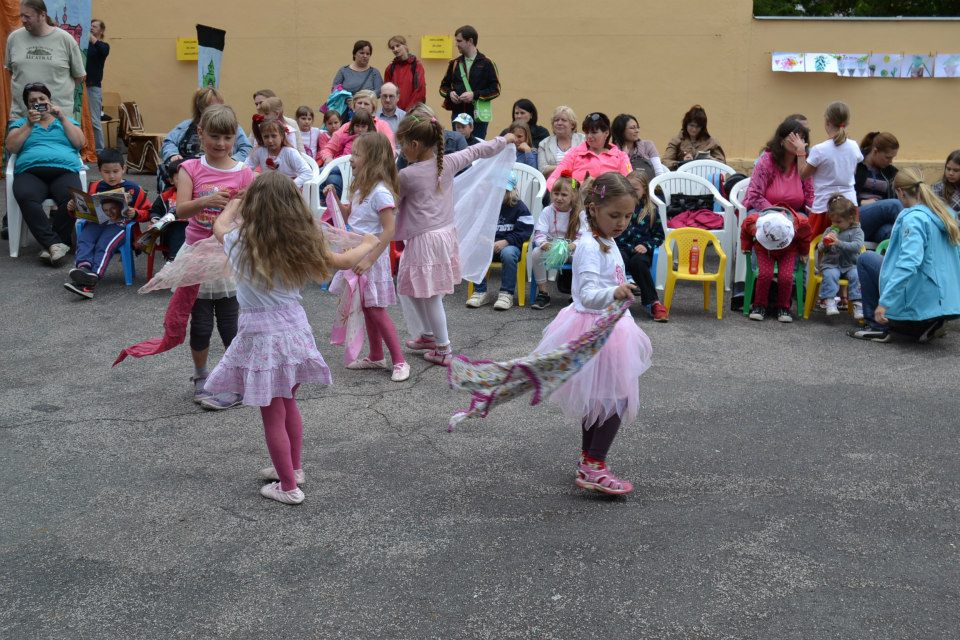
[(470, 77), (97, 53)]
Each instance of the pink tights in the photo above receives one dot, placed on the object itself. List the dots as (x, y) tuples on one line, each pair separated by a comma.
[(380, 330), (283, 431)]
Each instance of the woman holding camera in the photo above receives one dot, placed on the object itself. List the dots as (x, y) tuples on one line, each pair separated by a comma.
[(47, 144)]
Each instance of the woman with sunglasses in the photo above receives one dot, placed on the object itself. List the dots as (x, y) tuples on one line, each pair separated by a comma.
[(47, 143), (595, 156)]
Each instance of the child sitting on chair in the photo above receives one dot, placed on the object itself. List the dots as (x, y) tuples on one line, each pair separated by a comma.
[(97, 242), (780, 237), (513, 229), (837, 255), (557, 222)]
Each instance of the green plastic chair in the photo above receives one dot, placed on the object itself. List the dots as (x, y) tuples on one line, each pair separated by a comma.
[(882, 247), (754, 273)]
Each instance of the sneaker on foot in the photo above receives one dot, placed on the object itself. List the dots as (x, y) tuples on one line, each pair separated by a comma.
[(221, 401), (83, 275), (57, 253), (758, 313), (423, 343), (871, 334), (401, 371), (441, 356), (478, 299), (274, 492), (784, 316), (596, 477), (935, 330), (830, 305), (659, 312), (199, 394), (542, 301), (367, 363), (504, 301), (270, 473), (45, 255), (857, 310), (82, 290)]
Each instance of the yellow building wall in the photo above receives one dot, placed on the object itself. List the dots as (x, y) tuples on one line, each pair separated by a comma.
[(651, 59)]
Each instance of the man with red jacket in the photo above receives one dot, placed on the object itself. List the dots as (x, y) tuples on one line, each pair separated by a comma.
[(470, 77), (407, 73)]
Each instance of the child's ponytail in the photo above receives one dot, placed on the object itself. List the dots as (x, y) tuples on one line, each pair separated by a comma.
[(421, 126), (838, 115), (910, 180)]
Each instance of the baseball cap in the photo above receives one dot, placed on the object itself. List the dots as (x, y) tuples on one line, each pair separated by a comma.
[(774, 231), (512, 181), (464, 119)]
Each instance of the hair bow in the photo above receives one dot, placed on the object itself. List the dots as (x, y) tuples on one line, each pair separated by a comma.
[(258, 117), (600, 192)]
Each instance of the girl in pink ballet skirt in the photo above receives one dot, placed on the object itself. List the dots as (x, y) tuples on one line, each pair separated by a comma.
[(274, 250), (605, 393), (430, 265)]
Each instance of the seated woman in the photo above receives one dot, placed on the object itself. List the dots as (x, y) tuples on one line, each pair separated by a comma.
[(525, 153), (776, 180), (694, 141), (359, 74), (47, 143), (183, 141), (565, 137), (341, 140), (873, 182), (595, 156), (643, 154), (525, 111), (915, 287), (949, 186)]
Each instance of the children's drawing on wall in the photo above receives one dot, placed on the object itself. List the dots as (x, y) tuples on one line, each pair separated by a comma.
[(947, 65), (853, 65), (917, 66), (885, 65), (821, 63), (790, 62)]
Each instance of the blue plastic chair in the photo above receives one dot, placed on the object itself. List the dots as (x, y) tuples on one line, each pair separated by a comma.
[(125, 249)]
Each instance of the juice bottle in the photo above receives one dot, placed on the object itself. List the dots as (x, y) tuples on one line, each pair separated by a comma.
[(695, 258)]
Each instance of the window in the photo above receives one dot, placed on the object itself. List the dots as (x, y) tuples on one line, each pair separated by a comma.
[(857, 8)]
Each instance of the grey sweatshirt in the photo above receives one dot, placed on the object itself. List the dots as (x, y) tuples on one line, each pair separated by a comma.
[(843, 253)]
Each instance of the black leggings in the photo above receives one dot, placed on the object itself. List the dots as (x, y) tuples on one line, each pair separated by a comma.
[(201, 321), (638, 266), (598, 438), (31, 188)]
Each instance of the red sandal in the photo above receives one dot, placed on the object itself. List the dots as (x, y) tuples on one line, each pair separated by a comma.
[(594, 478)]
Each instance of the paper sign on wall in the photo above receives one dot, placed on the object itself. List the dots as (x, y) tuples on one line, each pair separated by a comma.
[(947, 65), (917, 66), (436, 47), (187, 49), (790, 62), (821, 63)]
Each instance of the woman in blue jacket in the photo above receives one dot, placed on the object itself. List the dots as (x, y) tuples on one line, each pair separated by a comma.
[(915, 288)]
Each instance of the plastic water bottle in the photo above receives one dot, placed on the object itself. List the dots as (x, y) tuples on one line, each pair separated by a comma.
[(695, 258)]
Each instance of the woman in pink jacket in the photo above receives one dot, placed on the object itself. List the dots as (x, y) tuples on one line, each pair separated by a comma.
[(776, 181), (595, 156)]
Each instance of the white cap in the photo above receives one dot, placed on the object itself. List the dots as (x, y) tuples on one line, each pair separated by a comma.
[(774, 231)]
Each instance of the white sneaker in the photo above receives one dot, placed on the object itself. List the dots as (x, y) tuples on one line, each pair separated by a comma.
[(274, 492), (269, 473), (367, 363), (832, 309), (480, 299), (45, 255), (504, 301), (57, 253), (400, 372), (857, 310)]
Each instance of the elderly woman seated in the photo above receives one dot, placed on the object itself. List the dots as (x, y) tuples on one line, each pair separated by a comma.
[(48, 165)]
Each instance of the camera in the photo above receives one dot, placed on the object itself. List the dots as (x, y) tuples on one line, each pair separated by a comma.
[(41, 107)]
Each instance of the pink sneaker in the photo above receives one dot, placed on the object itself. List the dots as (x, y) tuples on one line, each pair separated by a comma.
[(591, 478), (441, 356), (423, 343)]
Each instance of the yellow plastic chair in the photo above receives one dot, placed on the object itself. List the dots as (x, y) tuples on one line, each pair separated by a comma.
[(684, 238), (521, 277), (814, 279)]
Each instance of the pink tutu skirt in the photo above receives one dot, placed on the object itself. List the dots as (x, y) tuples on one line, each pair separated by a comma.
[(609, 383), (274, 351), (379, 290), (430, 264)]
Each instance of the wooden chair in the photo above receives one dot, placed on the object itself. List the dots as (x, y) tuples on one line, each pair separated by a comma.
[(143, 148)]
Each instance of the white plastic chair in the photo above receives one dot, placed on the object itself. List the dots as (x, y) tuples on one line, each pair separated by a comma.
[(346, 172), (531, 185), (18, 230), (311, 188), (677, 182), (706, 168), (737, 194)]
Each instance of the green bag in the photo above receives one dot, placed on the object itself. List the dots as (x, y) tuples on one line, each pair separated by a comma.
[(483, 109)]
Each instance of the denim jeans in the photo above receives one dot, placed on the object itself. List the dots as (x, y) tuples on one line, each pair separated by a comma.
[(877, 218), (336, 179), (95, 98), (509, 256), (831, 283), (868, 270)]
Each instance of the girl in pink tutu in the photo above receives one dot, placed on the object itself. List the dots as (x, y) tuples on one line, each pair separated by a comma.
[(605, 392), (275, 250), (372, 209), (430, 265)]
